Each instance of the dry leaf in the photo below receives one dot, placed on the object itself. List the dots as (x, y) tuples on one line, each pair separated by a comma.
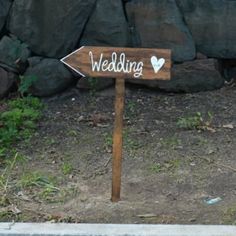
[(210, 129), (147, 216), (228, 126), (15, 209)]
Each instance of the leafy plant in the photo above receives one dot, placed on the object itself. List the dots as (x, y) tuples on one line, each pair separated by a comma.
[(25, 83), (19, 120)]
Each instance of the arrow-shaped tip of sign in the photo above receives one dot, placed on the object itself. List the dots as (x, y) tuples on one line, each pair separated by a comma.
[(64, 61)]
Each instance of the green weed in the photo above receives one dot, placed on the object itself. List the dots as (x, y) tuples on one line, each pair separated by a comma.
[(196, 121), (156, 168), (41, 183), (167, 166), (131, 108), (36, 179), (170, 142), (108, 140), (93, 82), (229, 216), (19, 121), (25, 83), (48, 193), (49, 141), (129, 142), (67, 168), (7, 216), (26, 102), (201, 141), (72, 133)]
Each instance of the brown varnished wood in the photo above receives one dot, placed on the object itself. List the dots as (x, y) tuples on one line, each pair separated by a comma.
[(80, 61), (117, 139)]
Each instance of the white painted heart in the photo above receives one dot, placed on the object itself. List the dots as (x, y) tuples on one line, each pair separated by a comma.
[(157, 64)]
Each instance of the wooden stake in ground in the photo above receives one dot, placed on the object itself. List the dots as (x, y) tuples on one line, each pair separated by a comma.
[(120, 63), (118, 139)]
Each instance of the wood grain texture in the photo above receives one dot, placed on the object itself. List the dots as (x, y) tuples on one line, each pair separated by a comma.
[(80, 61), (118, 140)]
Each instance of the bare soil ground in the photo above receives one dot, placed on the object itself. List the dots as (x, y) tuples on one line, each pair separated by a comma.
[(168, 172)]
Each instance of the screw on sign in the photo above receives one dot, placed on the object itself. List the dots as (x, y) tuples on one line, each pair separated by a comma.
[(120, 63)]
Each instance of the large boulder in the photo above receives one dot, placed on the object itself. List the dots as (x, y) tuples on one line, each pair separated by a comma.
[(7, 80), (52, 76), (51, 28), (213, 25), (107, 25), (13, 54), (159, 24), (188, 77), (4, 8)]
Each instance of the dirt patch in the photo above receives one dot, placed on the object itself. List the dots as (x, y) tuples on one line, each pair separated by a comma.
[(168, 172)]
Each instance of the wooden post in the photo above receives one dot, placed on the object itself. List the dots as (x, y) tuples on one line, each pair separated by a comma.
[(117, 139), (120, 63)]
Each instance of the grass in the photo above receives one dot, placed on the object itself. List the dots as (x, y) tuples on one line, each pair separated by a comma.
[(49, 141), (156, 168), (36, 184), (229, 216), (42, 183), (6, 175), (7, 216), (167, 166), (170, 142), (129, 143), (36, 179)]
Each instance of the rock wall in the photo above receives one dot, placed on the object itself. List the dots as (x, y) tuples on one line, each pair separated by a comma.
[(35, 34)]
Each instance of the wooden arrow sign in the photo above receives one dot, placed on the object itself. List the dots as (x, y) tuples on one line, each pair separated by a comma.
[(130, 63), (120, 63)]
